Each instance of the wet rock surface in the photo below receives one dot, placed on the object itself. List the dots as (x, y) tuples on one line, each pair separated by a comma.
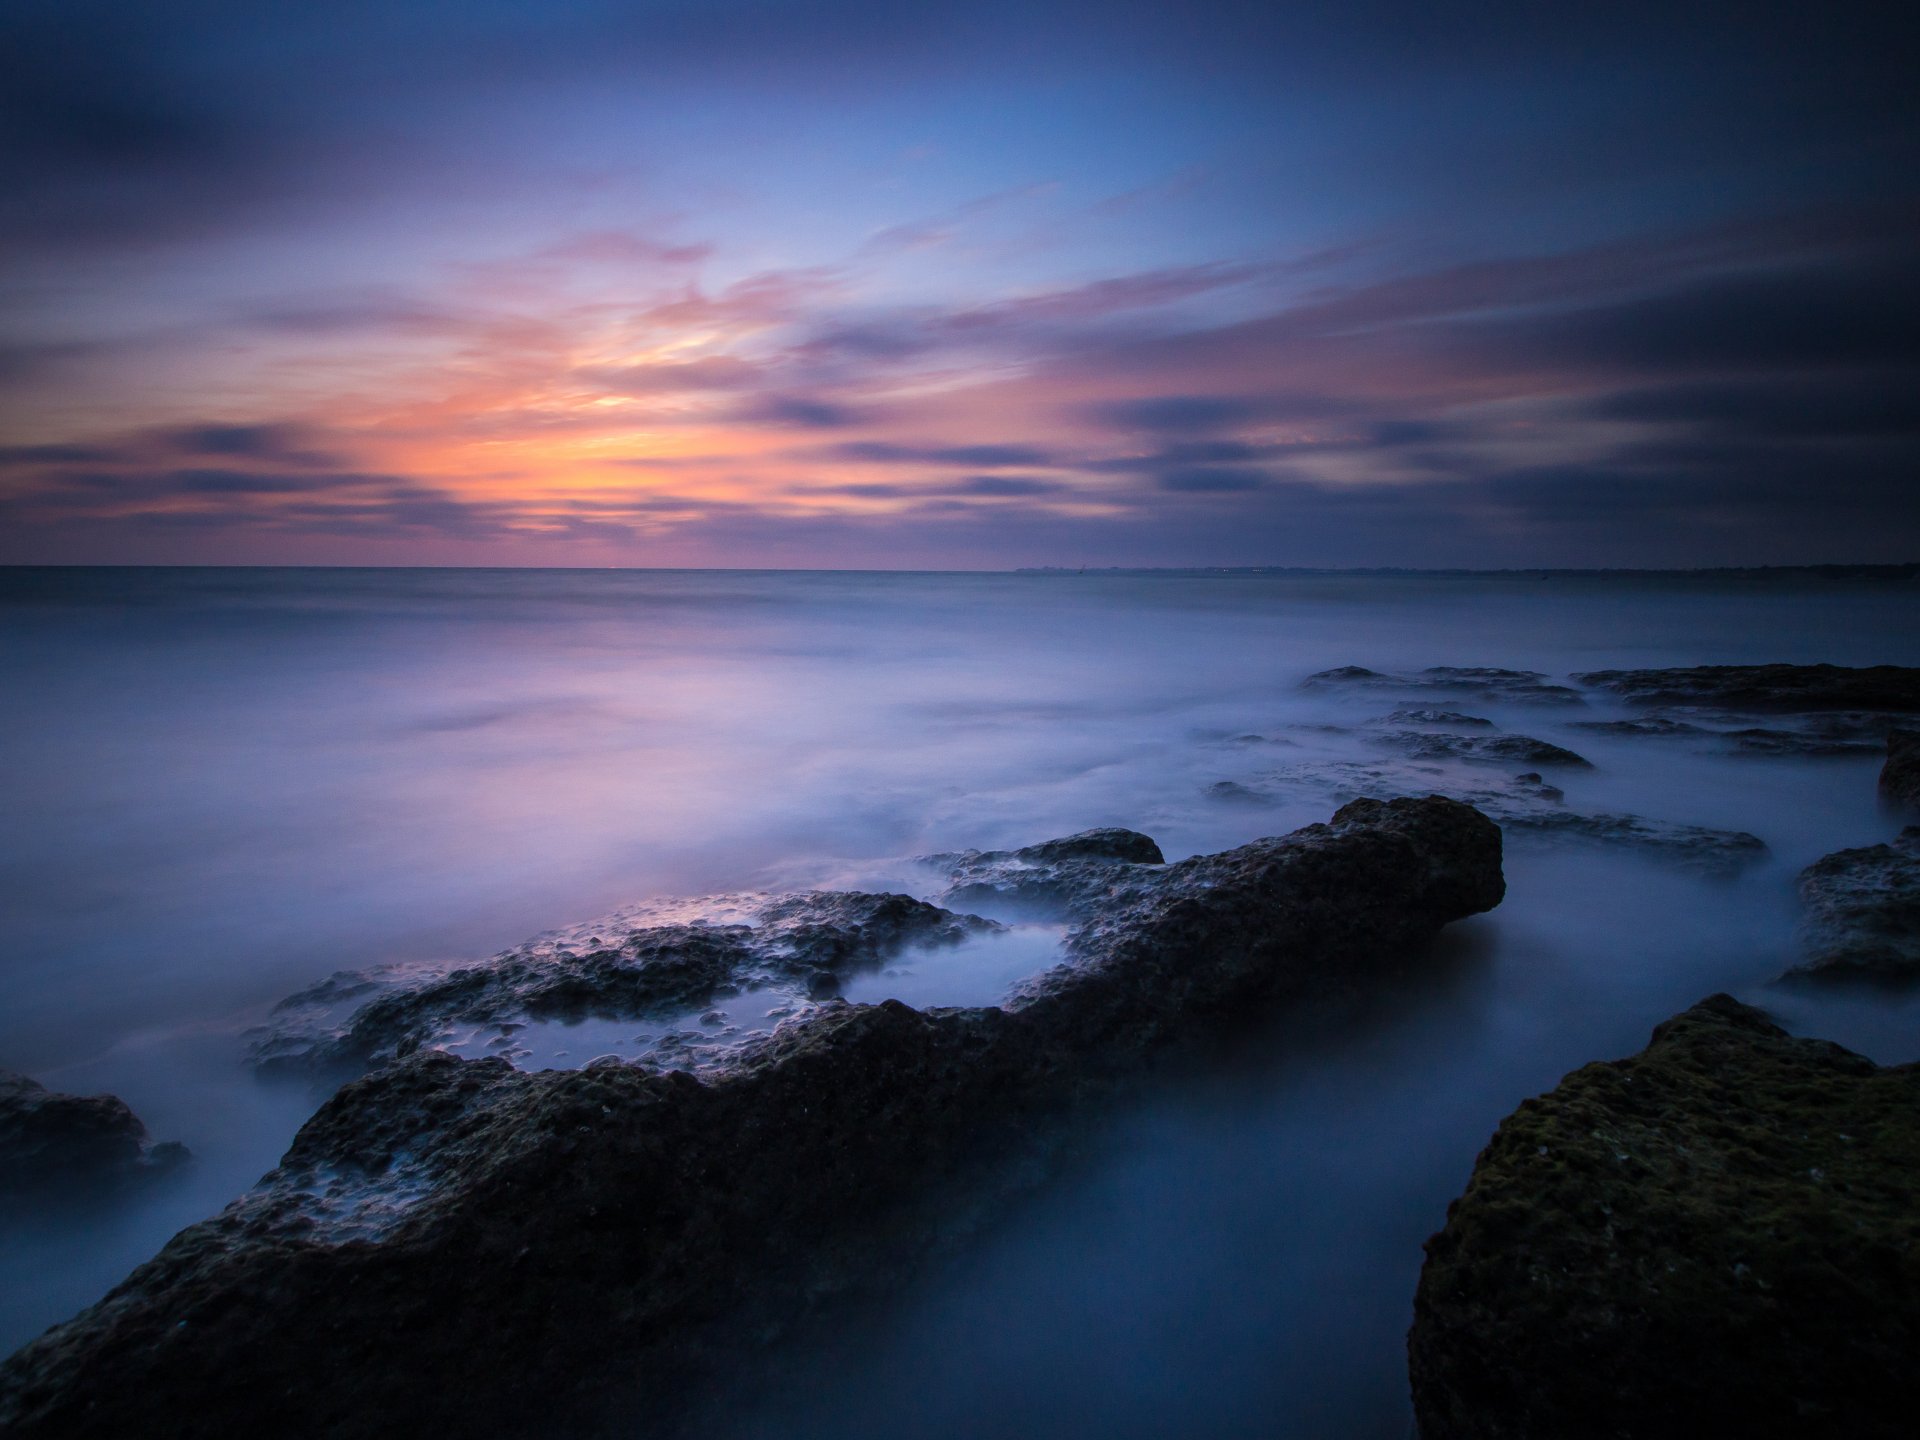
[(1069, 876), (625, 966), (1526, 807), (1808, 710), (1761, 688), (454, 1242), (1863, 914), (1529, 687), (1713, 1237), (1900, 776), (1496, 749), (1450, 719), (55, 1147)]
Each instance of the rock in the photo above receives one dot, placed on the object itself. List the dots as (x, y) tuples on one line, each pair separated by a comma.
[(1500, 749), (1719, 854), (1058, 877), (1894, 688), (55, 1147), (453, 1244), (1818, 733), (807, 942), (1716, 1236), (1900, 777), (1453, 718), (1863, 914), (1661, 725), (1529, 809), (1234, 792), (1484, 682)]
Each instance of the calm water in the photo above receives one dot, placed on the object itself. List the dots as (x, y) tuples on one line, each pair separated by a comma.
[(225, 784)]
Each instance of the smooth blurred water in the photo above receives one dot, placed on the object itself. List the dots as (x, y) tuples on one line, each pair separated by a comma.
[(225, 784)]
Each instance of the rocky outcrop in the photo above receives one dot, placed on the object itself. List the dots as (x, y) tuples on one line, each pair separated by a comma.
[(1863, 914), (1067, 876), (1810, 710), (1759, 688), (1450, 719), (456, 1244), (1900, 776), (626, 966), (1714, 1237), (1527, 808), (1485, 682), (1496, 749), (56, 1147)]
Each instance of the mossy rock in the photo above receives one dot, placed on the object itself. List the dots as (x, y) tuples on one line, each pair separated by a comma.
[(1718, 1236)]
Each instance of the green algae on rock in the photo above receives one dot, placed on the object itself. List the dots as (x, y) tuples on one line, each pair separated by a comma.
[(1716, 1236)]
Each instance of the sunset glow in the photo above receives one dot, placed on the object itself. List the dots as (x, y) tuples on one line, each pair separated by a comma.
[(651, 285)]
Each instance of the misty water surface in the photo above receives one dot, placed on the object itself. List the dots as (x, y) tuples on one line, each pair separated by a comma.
[(226, 784)]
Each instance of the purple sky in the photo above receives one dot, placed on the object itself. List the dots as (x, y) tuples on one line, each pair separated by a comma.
[(957, 286)]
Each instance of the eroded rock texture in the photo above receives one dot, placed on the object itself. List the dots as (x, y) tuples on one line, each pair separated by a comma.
[(455, 1243), (626, 966), (1714, 1237), (1892, 688), (55, 1147), (1863, 914), (1485, 682), (1810, 710), (1900, 776), (1528, 808)]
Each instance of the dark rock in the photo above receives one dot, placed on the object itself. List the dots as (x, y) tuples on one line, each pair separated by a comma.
[(1700, 848), (1894, 688), (1454, 718), (1235, 793), (1714, 1237), (1058, 877), (453, 1244), (1760, 740), (1529, 809), (1863, 914), (1900, 777), (55, 1146), (810, 942), (1661, 725), (1499, 749), (1485, 682)]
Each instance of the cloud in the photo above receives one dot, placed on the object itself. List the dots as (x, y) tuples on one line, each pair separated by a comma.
[(886, 452)]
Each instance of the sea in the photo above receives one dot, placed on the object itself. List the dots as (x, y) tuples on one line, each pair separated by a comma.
[(225, 784)]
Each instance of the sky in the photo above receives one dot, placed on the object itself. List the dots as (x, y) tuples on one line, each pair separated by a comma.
[(888, 285)]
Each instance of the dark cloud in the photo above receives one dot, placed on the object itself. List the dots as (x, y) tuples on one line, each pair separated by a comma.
[(985, 456), (1178, 414), (1208, 479), (1007, 485), (801, 411), (1791, 407)]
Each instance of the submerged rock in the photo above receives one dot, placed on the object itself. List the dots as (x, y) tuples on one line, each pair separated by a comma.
[(1894, 688), (1527, 808), (809, 942), (454, 1243), (55, 1146), (1863, 914), (1455, 718), (1483, 681), (1713, 1237), (1499, 749), (1815, 733), (1900, 777)]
